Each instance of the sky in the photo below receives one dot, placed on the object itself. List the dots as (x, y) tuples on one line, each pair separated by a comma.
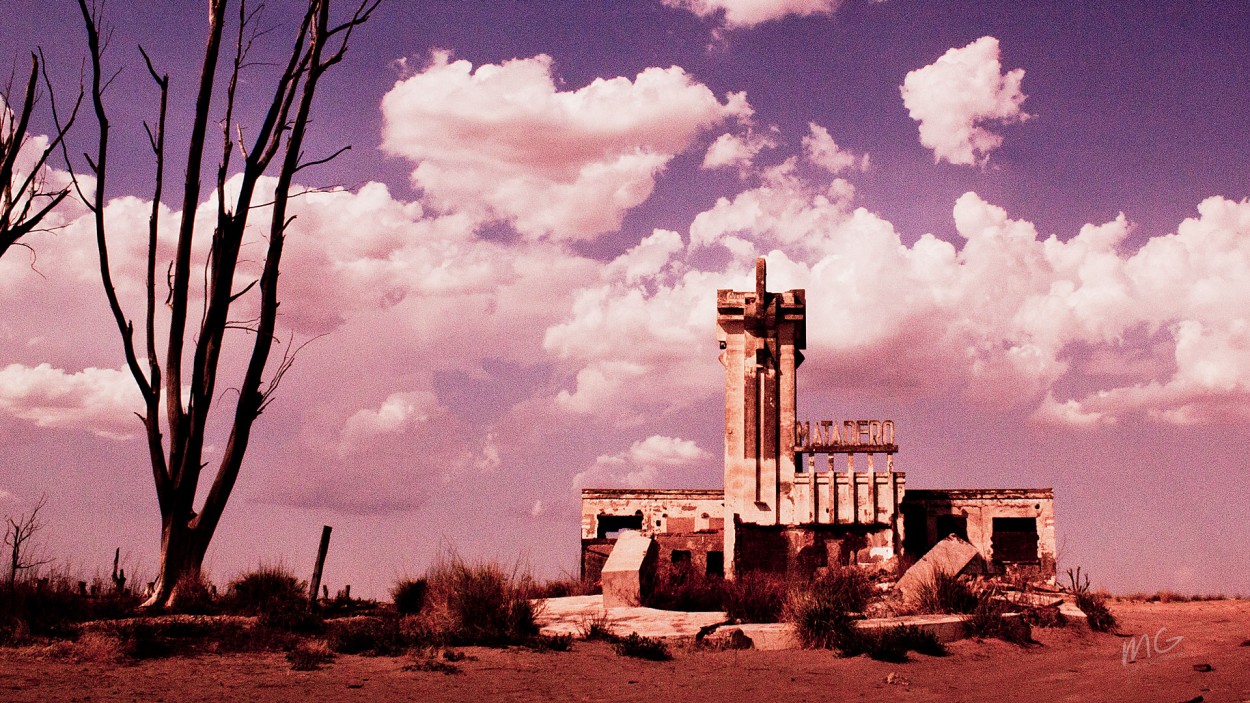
[(1024, 232)]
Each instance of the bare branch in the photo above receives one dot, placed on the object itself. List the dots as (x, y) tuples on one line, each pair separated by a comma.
[(327, 159)]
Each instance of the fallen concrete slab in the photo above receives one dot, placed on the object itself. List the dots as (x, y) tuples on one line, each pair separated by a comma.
[(571, 616), (949, 556), (1071, 612), (781, 636), (628, 569)]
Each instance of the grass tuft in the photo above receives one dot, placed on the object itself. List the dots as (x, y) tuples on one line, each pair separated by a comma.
[(639, 647), (755, 597), (409, 595)]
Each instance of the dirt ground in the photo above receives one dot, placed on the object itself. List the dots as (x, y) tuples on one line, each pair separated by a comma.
[(1066, 665)]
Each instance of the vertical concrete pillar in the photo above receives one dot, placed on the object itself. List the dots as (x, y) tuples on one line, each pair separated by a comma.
[(761, 335)]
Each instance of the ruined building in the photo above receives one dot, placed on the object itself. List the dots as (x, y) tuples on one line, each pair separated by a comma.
[(803, 495)]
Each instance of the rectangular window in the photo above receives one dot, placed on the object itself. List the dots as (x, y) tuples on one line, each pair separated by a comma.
[(716, 564), (1015, 540)]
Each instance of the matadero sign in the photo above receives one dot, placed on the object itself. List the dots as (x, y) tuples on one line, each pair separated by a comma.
[(846, 437)]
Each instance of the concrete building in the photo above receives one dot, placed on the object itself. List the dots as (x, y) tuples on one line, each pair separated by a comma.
[(801, 495)]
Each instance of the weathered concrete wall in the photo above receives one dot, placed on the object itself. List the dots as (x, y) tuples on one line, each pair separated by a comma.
[(799, 550), (687, 520), (662, 510), (978, 508)]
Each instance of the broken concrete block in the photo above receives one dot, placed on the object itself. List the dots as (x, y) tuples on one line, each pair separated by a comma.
[(949, 556), (629, 571)]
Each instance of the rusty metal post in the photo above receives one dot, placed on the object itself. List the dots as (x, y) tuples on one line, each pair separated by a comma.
[(315, 585)]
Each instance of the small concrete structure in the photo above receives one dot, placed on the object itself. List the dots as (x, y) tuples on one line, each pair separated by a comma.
[(629, 570), (949, 556), (1013, 529), (687, 525)]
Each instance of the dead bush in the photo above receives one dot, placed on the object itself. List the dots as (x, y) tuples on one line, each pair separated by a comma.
[(479, 603), (945, 593), (683, 587), (309, 655), (367, 635), (639, 647), (755, 597), (408, 595)]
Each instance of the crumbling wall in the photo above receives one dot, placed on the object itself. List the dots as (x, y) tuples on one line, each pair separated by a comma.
[(689, 522), (799, 550), (930, 513)]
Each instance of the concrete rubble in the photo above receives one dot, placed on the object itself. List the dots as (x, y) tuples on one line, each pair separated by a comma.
[(949, 556)]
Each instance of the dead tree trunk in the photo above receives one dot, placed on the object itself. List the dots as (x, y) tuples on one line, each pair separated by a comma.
[(276, 148), (18, 533)]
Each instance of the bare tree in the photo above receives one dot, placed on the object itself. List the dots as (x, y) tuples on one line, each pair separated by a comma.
[(26, 198), (275, 147), (18, 532)]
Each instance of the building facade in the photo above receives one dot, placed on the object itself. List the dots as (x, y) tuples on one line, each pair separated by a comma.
[(802, 495)]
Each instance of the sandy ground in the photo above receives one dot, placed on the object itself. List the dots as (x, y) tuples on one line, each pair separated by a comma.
[(1066, 665)]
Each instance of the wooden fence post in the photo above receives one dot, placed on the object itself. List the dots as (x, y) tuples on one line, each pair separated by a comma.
[(315, 586)]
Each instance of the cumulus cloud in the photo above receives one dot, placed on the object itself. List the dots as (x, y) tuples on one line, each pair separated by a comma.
[(957, 98), (646, 463), (820, 149), (998, 317), (748, 13), (503, 142), (398, 412), (102, 401), (737, 151)]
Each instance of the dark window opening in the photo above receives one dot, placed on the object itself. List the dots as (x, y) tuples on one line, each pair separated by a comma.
[(681, 557), (915, 532), (1015, 540), (610, 526), (716, 564), (948, 525)]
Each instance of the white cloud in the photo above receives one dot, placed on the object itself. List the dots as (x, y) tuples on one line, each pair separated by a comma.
[(504, 142), (997, 318), (820, 149), (737, 151), (398, 413), (647, 462), (102, 401), (748, 13), (958, 97)]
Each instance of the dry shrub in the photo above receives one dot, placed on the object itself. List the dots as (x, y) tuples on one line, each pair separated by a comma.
[(597, 627), (275, 596), (891, 644), (309, 655), (683, 587), (431, 659), (1092, 603), (97, 647), (193, 596), (371, 636), (45, 607), (755, 597), (945, 593), (408, 595), (639, 647), (479, 603), (821, 608)]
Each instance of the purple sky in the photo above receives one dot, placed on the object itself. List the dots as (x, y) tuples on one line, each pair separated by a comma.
[(1024, 233)]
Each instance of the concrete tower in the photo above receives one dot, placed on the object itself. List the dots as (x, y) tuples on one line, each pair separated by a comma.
[(762, 336)]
